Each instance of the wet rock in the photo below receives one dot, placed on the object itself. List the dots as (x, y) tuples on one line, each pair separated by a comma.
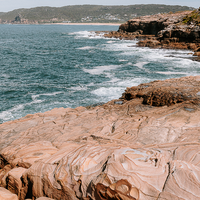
[(197, 52), (149, 43)]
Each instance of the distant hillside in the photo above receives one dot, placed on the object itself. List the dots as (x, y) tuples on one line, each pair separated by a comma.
[(86, 13)]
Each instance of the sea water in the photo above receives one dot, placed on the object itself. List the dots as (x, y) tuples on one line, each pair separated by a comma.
[(48, 66)]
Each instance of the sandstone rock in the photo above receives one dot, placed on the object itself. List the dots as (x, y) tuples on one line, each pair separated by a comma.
[(152, 24), (25, 155), (185, 33), (149, 43), (98, 164), (197, 50), (7, 195), (197, 54), (44, 198), (14, 183), (168, 92), (142, 146), (3, 174)]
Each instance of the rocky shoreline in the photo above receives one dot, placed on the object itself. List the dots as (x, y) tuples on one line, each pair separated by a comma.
[(142, 146), (169, 31)]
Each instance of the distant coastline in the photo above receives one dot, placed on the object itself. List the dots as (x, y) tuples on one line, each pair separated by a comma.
[(102, 24)]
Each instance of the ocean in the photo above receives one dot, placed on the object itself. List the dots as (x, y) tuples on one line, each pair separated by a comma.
[(48, 66)]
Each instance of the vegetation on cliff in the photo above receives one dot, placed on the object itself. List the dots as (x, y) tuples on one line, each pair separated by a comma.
[(193, 18), (86, 13)]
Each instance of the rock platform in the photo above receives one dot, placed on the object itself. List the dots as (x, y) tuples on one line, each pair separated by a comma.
[(143, 146)]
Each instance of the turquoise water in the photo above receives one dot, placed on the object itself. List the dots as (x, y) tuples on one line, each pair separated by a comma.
[(48, 66)]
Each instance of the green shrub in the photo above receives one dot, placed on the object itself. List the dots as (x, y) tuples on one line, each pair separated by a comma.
[(193, 17)]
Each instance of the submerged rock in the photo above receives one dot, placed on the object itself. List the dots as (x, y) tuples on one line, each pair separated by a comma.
[(145, 146)]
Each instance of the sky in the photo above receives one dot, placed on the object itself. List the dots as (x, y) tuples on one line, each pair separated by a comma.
[(9, 5)]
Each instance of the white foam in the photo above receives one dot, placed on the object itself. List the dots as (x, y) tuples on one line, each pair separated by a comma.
[(186, 63), (109, 42), (133, 82), (13, 112), (87, 34), (114, 80), (125, 46), (123, 60), (100, 69), (5, 76), (141, 64), (78, 88), (110, 93), (171, 73), (34, 97), (86, 48)]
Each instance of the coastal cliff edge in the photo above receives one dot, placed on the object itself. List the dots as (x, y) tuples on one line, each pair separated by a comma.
[(142, 146)]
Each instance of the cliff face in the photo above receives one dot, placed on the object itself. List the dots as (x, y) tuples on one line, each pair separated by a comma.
[(152, 24), (143, 146)]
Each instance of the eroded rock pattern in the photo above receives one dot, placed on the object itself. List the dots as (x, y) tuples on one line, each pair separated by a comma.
[(7, 195), (129, 148)]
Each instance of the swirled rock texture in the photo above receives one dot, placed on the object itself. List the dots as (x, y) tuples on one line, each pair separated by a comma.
[(143, 146)]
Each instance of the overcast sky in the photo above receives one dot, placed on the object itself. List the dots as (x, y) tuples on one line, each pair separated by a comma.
[(9, 5)]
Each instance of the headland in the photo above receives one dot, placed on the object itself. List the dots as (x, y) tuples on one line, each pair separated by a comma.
[(179, 30)]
